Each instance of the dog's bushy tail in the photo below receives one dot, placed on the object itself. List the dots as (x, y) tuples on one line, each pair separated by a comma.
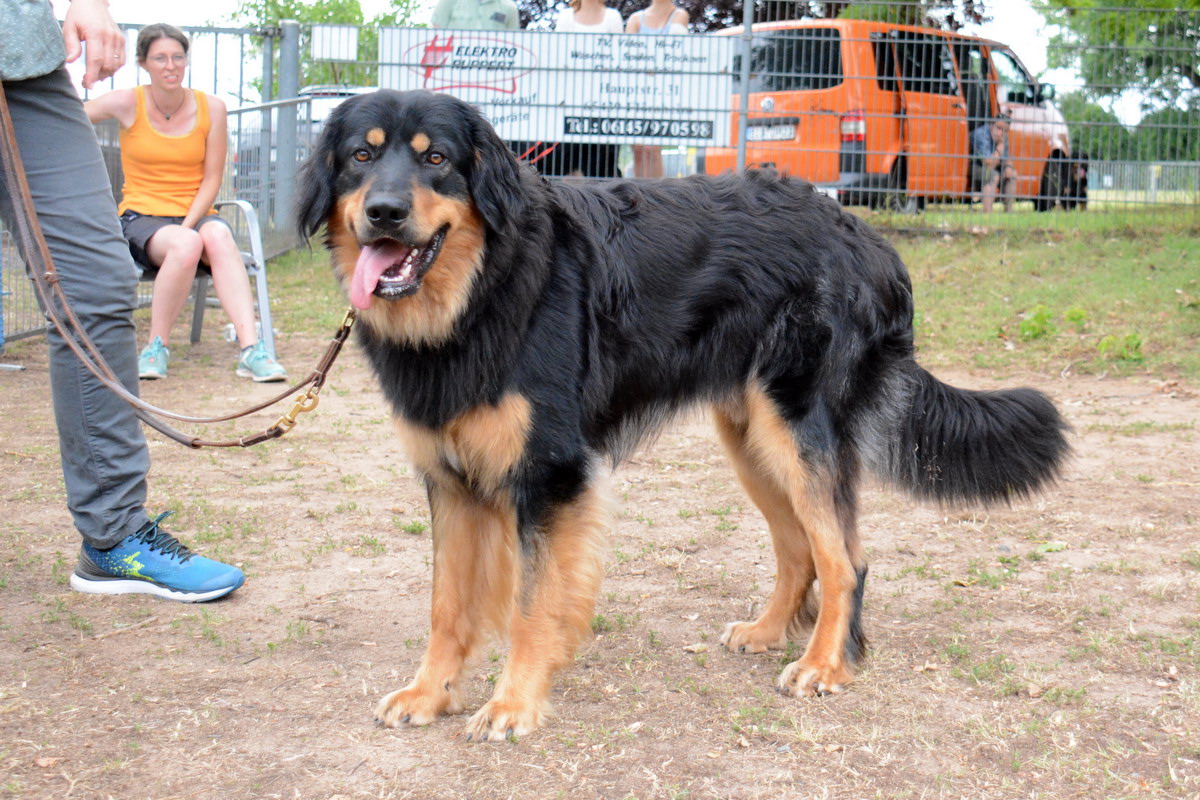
[(955, 445)]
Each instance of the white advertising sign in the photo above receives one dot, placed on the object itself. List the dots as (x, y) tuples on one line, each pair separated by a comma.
[(334, 42), (572, 87)]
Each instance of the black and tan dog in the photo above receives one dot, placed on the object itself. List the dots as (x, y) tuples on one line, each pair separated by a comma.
[(529, 335)]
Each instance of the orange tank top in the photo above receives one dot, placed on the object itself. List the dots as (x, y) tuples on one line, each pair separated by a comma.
[(162, 173)]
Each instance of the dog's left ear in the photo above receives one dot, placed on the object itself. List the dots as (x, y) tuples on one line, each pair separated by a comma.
[(495, 176), (314, 199)]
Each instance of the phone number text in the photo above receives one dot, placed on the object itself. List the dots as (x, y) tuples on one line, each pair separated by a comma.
[(618, 126)]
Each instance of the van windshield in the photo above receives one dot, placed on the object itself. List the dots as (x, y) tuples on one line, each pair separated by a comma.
[(805, 58)]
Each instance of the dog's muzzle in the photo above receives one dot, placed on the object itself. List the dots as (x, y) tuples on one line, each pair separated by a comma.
[(391, 270)]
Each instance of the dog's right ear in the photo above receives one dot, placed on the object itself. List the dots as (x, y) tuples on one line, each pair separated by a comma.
[(314, 183)]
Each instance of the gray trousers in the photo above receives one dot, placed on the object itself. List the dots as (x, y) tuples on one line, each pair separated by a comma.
[(104, 454)]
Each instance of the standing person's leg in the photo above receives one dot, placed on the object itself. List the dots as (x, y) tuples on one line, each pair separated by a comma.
[(104, 454), (647, 161)]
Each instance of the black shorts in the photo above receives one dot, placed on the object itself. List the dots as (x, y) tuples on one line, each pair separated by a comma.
[(138, 228)]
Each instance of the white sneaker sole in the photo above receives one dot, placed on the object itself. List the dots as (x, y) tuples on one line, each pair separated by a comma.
[(245, 373), (144, 587)]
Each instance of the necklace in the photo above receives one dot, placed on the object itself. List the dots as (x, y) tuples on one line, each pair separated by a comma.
[(174, 111)]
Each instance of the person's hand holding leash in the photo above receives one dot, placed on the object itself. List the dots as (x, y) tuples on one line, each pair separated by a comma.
[(89, 21)]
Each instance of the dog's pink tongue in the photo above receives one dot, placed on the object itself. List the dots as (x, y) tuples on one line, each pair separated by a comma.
[(372, 262)]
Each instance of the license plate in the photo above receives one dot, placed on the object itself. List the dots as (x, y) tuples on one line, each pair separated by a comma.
[(770, 133)]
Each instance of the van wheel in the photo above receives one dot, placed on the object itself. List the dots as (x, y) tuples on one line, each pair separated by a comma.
[(897, 199), (1054, 181)]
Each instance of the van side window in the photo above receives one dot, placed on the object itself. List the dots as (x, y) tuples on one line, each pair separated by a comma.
[(885, 62), (925, 63), (1015, 84), (975, 78), (803, 58)]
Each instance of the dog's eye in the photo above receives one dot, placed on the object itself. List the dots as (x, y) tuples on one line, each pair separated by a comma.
[(435, 158), (362, 155)]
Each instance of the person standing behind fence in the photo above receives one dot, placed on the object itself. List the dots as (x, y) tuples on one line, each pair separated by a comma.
[(477, 15), (589, 16), (173, 144), (104, 454), (662, 17), (591, 160)]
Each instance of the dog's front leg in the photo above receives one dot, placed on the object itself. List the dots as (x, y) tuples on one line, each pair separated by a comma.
[(474, 577), (560, 578)]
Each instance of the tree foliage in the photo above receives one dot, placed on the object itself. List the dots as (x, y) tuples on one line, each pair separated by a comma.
[(1095, 130), (713, 15), (267, 14), (1169, 134), (1152, 47)]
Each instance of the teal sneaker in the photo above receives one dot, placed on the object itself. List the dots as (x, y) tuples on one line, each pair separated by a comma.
[(152, 363), (256, 363), (153, 561)]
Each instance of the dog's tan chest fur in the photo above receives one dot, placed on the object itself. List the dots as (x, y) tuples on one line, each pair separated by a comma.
[(480, 446)]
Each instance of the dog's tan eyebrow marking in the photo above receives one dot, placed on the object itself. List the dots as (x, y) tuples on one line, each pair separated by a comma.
[(420, 143), (376, 137)]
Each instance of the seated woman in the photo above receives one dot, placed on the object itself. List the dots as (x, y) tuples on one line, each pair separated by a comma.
[(173, 143)]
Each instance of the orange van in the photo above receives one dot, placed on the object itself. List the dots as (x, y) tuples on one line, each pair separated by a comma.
[(882, 114)]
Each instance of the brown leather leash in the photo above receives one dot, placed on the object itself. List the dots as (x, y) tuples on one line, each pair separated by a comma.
[(54, 300)]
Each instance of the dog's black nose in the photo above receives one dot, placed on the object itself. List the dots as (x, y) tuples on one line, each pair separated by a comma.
[(386, 210)]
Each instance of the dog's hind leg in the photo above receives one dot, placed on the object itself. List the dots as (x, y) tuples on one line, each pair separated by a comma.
[(474, 579), (821, 494), (787, 610), (559, 582)]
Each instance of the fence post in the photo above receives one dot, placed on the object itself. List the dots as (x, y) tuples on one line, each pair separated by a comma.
[(747, 38), (266, 129), (289, 86)]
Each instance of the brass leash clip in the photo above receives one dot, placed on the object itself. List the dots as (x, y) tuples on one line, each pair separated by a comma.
[(310, 399), (305, 402)]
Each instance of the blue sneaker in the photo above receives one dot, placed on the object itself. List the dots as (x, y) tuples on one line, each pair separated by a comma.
[(153, 561), (152, 363), (256, 363)]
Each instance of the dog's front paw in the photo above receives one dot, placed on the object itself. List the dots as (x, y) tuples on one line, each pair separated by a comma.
[(417, 705), (501, 719), (750, 637), (808, 679)]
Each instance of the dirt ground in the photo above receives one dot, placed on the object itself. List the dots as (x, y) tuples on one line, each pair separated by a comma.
[(1048, 650)]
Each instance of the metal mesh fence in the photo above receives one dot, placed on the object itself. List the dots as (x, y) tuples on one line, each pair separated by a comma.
[(900, 107), (918, 114)]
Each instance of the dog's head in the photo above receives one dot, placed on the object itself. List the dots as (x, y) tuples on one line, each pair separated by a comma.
[(407, 185)]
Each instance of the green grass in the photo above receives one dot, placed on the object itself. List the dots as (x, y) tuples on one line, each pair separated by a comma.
[(1106, 218), (305, 295), (1017, 298), (1049, 302)]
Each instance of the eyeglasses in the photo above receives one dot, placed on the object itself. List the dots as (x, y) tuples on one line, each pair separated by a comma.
[(161, 60)]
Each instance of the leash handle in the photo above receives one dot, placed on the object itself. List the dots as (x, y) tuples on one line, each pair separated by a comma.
[(53, 298)]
